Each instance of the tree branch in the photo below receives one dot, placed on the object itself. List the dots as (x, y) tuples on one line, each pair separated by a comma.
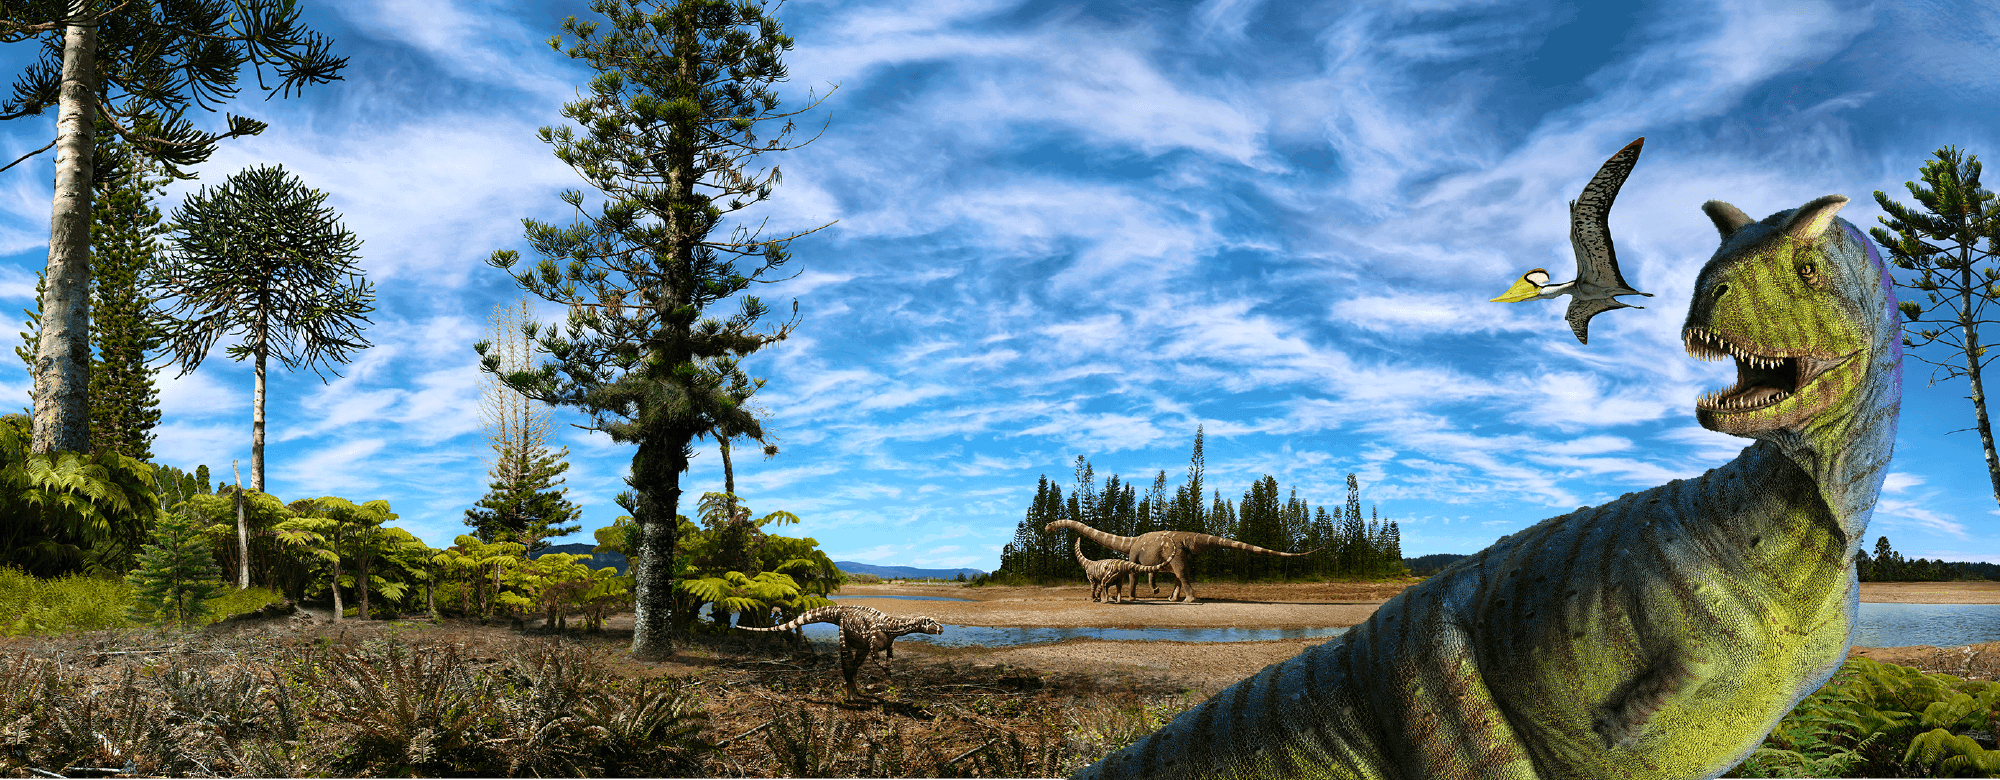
[(28, 155)]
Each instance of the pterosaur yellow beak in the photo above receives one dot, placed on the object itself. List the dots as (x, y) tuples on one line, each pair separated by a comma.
[(1523, 290)]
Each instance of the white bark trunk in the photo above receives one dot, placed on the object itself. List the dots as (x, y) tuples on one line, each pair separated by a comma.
[(257, 417), (242, 535), (62, 358)]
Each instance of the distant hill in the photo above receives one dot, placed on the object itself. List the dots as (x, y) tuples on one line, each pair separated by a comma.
[(597, 560), (904, 572), (1432, 564)]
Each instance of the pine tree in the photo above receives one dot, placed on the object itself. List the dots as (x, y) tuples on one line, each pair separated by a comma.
[(670, 126), (1155, 519), (1353, 535), (159, 55), (1194, 520), (526, 502), (124, 242), (124, 229), (176, 575), (263, 256), (1943, 247)]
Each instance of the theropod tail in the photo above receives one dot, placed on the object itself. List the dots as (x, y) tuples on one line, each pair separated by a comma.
[(815, 615), (1123, 544), (1197, 542)]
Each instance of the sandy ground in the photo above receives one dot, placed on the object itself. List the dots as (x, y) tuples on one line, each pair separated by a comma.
[(1210, 667)]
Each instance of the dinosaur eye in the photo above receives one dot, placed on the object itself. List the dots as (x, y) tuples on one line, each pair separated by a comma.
[(1810, 273)]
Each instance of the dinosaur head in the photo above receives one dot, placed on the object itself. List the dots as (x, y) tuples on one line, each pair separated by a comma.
[(1803, 304)]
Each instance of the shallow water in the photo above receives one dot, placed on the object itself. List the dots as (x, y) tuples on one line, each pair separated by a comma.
[(1942, 625), (1879, 625), (905, 598)]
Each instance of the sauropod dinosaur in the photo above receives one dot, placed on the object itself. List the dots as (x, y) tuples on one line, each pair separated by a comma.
[(1104, 574), (1158, 547)]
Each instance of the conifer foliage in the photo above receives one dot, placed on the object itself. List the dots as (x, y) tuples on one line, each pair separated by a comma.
[(670, 126), (1350, 545), (261, 255), (176, 575), (527, 503), (124, 242)]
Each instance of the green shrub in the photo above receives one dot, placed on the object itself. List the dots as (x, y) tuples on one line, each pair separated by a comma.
[(176, 575), (30, 605)]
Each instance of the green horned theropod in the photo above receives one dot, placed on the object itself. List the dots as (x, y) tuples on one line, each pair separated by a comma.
[(1659, 636), (1174, 548)]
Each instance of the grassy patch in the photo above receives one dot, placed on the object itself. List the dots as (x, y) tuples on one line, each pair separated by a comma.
[(33, 606)]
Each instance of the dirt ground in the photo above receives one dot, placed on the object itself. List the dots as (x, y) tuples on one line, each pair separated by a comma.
[(1210, 667), (1203, 668)]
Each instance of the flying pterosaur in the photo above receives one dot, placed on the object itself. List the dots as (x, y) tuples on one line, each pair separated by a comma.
[(1597, 277)]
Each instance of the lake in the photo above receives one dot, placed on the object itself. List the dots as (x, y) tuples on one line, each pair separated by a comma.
[(1879, 625)]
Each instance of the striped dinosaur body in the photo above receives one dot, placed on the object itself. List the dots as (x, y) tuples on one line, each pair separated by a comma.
[(1172, 548), (1104, 574), (863, 632), (1659, 636)]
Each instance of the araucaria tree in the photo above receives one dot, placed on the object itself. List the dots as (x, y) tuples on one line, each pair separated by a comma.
[(262, 256), (124, 242), (134, 64), (527, 503), (671, 123), (176, 575), (1942, 246), (125, 230)]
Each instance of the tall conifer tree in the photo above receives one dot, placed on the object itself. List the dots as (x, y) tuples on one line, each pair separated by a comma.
[(124, 242), (159, 55), (526, 503), (261, 255), (684, 84)]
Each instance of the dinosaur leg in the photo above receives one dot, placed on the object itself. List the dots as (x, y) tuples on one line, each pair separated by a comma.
[(854, 652)]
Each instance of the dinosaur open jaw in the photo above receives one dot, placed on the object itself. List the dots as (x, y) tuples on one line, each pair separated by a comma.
[(1762, 380)]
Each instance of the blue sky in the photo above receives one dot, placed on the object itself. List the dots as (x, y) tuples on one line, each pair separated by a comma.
[(1085, 228)]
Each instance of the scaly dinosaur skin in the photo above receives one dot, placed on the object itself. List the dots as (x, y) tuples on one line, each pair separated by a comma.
[(1659, 636), (1104, 574), (1174, 548), (863, 631)]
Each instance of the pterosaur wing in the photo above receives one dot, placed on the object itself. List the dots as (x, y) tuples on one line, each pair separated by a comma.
[(1589, 221), (1582, 309)]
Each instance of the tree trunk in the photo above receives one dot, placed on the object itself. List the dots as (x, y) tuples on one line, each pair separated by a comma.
[(337, 607), (656, 477), (1970, 326), (242, 534), (430, 591), (361, 581), (62, 355), (257, 416)]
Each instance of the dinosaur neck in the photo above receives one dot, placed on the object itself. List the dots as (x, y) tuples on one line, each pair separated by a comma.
[(1846, 450)]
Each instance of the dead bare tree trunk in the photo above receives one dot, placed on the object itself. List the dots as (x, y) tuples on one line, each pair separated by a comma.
[(242, 534)]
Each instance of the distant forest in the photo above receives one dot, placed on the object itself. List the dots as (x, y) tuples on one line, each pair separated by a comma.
[(1887, 565), (1871, 567), (1348, 544)]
